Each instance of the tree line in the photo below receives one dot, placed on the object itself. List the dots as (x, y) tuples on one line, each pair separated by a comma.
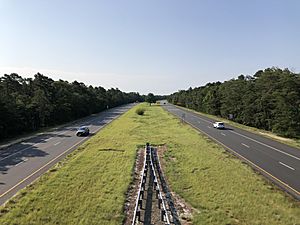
[(28, 104), (270, 100)]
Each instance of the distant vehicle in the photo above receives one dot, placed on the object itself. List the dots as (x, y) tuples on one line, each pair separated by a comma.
[(219, 125), (82, 131)]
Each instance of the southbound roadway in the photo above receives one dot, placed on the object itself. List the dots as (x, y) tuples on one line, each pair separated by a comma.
[(278, 162), (24, 162)]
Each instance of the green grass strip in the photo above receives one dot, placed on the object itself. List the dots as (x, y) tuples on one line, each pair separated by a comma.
[(89, 186)]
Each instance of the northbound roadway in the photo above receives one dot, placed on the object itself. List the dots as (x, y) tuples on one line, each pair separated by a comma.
[(278, 162), (22, 163)]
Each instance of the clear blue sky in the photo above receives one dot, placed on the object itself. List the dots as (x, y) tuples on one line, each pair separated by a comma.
[(158, 46)]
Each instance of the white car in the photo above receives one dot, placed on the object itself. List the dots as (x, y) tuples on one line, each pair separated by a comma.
[(219, 125)]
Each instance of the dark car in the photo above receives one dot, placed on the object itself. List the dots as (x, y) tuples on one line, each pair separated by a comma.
[(82, 131)]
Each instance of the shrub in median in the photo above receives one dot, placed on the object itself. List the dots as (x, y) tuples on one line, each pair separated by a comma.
[(140, 111)]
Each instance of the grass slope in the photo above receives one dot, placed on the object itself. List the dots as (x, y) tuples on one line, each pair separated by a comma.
[(89, 186)]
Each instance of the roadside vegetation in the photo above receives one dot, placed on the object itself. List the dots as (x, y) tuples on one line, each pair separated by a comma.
[(268, 100), (27, 104), (89, 187), (294, 142), (140, 111)]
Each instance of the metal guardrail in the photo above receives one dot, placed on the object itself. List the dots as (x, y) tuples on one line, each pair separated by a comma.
[(136, 212), (148, 164), (167, 192), (164, 212)]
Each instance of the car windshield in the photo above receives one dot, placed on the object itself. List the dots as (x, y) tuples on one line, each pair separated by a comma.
[(81, 128), (222, 124)]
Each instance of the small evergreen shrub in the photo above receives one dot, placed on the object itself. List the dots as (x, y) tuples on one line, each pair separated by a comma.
[(140, 111)]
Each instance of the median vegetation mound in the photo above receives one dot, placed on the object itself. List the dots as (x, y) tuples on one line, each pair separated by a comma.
[(90, 186), (140, 111)]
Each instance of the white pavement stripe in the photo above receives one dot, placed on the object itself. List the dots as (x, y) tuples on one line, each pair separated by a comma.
[(245, 145), (208, 126), (291, 168), (223, 134), (63, 132), (295, 157), (18, 152), (197, 117), (38, 143), (28, 147), (57, 143), (21, 162), (73, 146)]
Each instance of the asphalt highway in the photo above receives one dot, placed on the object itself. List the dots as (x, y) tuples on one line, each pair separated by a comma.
[(22, 163), (278, 162)]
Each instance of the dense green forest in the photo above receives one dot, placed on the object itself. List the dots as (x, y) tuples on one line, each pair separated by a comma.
[(28, 104), (270, 100)]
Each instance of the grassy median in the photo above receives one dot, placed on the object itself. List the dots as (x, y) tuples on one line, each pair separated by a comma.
[(89, 186)]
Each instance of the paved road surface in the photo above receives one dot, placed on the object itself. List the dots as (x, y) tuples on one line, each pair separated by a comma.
[(22, 163), (278, 162)]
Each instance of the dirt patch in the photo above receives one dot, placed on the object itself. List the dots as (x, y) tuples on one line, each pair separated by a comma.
[(184, 210), (133, 187)]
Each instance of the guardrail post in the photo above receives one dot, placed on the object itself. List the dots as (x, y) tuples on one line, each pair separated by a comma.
[(143, 184), (163, 213), (155, 183), (138, 215), (159, 203), (140, 203)]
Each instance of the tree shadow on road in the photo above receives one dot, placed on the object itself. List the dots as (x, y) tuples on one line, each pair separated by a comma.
[(16, 158)]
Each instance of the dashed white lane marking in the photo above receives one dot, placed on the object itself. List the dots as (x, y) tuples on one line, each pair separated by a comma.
[(21, 162), (295, 157), (223, 134), (245, 145), (208, 126), (198, 121), (291, 168), (285, 153), (197, 117), (16, 185), (18, 152), (57, 143)]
